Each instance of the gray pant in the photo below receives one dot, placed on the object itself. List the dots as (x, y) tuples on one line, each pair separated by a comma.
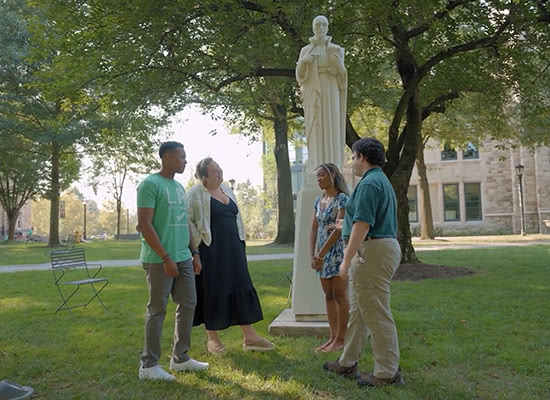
[(183, 293)]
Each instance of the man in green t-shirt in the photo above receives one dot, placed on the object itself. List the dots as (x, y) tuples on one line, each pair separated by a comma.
[(371, 258), (170, 259)]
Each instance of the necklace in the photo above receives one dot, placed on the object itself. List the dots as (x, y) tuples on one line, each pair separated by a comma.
[(326, 201)]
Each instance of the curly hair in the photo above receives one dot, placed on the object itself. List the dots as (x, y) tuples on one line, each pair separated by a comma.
[(371, 149)]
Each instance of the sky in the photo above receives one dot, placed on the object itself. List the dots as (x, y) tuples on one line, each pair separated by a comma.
[(239, 159)]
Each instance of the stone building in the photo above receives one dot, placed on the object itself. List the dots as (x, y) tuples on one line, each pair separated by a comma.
[(472, 190), (22, 225), (476, 191)]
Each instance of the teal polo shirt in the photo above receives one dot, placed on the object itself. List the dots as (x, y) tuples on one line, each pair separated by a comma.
[(373, 201)]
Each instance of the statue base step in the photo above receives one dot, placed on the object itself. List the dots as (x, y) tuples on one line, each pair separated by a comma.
[(288, 324)]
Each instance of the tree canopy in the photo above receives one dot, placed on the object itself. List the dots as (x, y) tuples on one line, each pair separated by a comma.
[(408, 58)]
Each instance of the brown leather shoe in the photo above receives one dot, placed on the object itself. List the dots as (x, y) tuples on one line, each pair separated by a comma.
[(370, 380), (348, 372)]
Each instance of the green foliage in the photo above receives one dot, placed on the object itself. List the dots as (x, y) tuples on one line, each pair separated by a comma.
[(258, 223), (98, 220), (406, 59), (22, 176)]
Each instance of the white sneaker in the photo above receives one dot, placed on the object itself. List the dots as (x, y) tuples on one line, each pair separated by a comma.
[(189, 365), (155, 373)]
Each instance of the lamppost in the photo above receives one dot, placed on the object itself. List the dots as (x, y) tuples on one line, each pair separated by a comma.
[(232, 183), (84, 230), (127, 221), (519, 173)]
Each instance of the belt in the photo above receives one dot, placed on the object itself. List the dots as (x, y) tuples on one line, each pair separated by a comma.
[(374, 238)]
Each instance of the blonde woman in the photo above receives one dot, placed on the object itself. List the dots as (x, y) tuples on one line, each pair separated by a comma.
[(225, 293), (327, 252)]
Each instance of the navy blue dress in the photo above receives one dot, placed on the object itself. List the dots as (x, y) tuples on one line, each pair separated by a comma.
[(225, 294)]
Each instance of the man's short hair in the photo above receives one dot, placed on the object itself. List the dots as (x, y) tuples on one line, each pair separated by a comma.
[(169, 146), (371, 149)]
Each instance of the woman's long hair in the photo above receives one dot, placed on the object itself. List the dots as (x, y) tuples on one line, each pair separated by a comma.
[(336, 176)]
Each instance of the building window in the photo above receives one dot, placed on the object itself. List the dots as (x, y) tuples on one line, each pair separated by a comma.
[(471, 152), (448, 153), (451, 207), (472, 200), (413, 204)]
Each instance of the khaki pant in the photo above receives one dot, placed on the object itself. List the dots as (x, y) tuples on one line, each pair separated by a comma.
[(160, 287), (370, 307)]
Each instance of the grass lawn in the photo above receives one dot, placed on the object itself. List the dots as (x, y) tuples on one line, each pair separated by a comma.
[(485, 336), (36, 253), (458, 240)]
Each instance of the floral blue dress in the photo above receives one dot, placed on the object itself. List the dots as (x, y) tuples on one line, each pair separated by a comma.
[(334, 257)]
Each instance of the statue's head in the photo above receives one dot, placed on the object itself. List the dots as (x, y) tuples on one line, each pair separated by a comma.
[(320, 26)]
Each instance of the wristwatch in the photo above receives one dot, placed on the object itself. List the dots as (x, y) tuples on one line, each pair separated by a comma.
[(195, 253)]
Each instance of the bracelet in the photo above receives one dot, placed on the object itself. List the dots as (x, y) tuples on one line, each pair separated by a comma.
[(195, 253), (165, 258)]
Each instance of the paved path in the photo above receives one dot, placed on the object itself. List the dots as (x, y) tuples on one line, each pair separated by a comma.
[(131, 263), (282, 256)]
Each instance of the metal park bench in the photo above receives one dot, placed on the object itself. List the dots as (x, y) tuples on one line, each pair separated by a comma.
[(70, 268)]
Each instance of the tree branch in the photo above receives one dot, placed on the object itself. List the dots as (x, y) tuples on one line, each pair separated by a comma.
[(437, 105), (462, 48), (258, 72), (451, 5), (544, 11)]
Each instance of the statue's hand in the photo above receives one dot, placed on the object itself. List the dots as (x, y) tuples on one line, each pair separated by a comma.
[(338, 62), (307, 59)]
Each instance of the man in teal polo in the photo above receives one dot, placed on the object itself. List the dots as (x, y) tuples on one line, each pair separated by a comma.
[(371, 258)]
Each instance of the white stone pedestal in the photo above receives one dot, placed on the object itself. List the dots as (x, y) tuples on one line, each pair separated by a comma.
[(308, 313)]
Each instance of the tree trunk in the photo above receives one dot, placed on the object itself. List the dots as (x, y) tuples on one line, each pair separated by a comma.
[(285, 223), (351, 133), (402, 148), (54, 196), (401, 177), (12, 221), (426, 218), (118, 211)]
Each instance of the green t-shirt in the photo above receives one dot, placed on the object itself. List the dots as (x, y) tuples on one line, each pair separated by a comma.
[(167, 197), (373, 201)]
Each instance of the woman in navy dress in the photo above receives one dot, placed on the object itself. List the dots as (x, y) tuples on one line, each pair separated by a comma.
[(327, 252), (225, 293)]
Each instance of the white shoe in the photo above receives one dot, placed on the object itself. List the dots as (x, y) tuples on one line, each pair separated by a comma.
[(189, 365), (155, 373)]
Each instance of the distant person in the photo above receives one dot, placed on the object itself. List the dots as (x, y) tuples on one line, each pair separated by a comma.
[(371, 258), (225, 293), (327, 252), (30, 232), (170, 260)]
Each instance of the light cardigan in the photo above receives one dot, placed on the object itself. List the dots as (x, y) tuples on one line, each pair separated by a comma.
[(198, 206)]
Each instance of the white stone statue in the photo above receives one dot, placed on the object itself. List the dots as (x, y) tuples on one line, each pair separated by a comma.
[(323, 81)]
